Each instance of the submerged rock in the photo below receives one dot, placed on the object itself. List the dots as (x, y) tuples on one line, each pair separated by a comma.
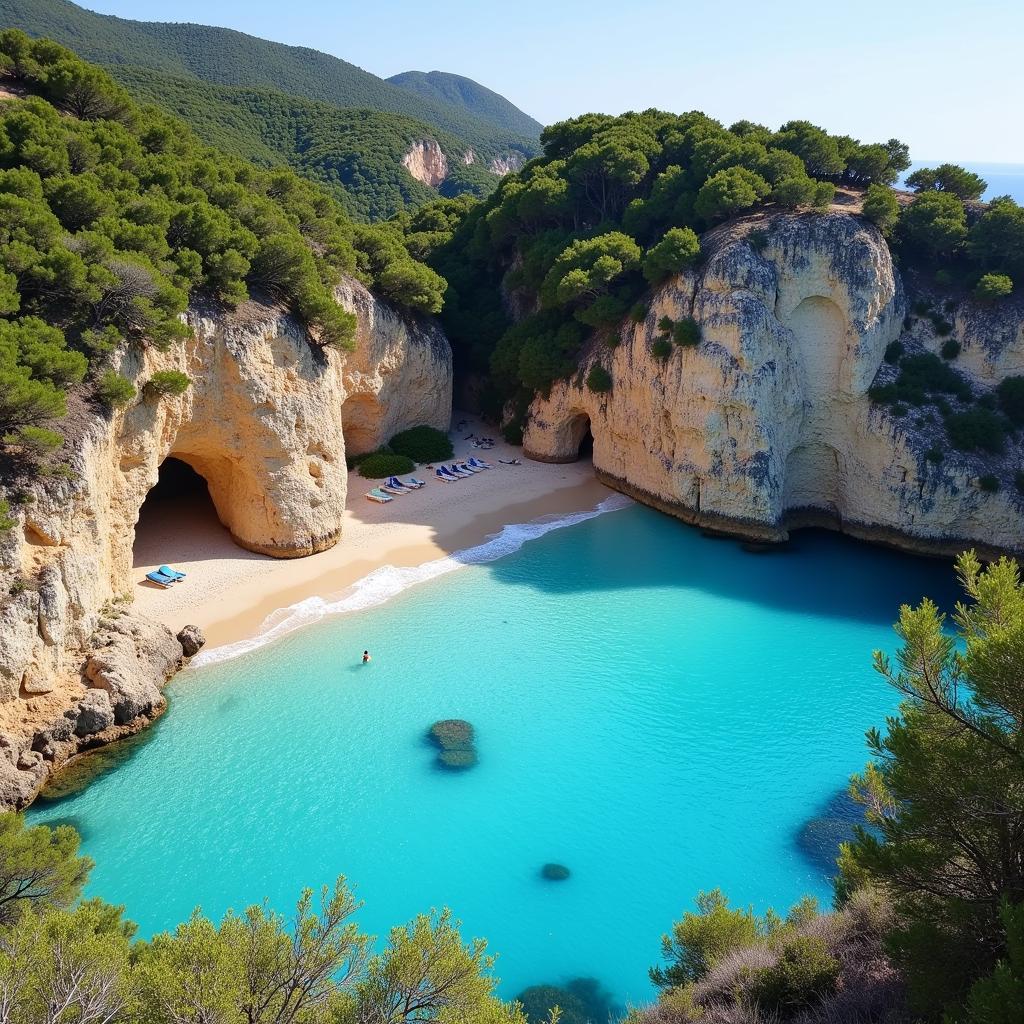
[(582, 1001), (454, 739), (452, 734), (555, 872)]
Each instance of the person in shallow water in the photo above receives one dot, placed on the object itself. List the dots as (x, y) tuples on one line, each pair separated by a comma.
[(366, 657)]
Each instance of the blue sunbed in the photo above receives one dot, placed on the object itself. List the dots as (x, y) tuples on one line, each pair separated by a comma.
[(173, 574)]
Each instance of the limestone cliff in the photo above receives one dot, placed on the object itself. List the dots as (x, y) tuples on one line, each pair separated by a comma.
[(426, 162), (767, 423), (265, 422)]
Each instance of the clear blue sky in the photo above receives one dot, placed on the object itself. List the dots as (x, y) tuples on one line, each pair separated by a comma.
[(948, 78)]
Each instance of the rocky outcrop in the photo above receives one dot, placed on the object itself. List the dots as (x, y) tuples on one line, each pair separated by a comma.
[(426, 162), (399, 375), (507, 164), (263, 422), (767, 424)]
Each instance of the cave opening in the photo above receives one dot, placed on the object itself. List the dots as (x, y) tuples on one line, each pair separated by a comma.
[(585, 449), (580, 437), (177, 521)]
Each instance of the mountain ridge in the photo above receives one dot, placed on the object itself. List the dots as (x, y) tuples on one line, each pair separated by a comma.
[(457, 90)]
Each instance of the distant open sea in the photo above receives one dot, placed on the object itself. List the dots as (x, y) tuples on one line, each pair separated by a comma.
[(1003, 179)]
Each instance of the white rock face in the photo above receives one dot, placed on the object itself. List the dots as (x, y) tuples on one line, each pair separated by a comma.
[(264, 423), (426, 162), (767, 425), (508, 164)]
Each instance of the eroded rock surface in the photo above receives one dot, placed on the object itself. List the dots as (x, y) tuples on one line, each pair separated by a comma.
[(426, 162), (767, 424), (263, 422)]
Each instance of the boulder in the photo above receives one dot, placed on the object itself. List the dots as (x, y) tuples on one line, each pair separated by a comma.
[(94, 713), (192, 640)]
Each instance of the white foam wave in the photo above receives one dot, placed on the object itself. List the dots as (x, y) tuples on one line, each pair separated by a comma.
[(388, 581)]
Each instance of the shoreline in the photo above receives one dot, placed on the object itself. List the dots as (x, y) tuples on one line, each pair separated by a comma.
[(234, 595)]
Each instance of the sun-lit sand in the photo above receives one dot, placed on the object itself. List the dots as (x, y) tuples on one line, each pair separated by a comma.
[(230, 592)]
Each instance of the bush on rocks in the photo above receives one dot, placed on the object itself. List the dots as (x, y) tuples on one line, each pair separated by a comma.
[(599, 380), (384, 464), (422, 444)]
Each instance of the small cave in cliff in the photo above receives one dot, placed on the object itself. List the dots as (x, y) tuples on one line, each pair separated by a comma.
[(177, 520), (586, 445)]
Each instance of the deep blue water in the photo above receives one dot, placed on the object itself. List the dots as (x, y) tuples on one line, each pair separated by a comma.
[(658, 711), (1003, 179)]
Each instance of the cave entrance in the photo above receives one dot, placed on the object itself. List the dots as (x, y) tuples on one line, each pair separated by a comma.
[(360, 423), (178, 521), (581, 437)]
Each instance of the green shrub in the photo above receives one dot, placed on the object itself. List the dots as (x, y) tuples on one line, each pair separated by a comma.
[(167, 382), (661, 348), (114, 390), (805, 973), (383, 464), (599, 380), (638, 312), (513, 432), (1018, 481), (926, 372), (881, 207), (934, 455), (977, 429), (989, 483), (950, 348), (758, 240), (34, 441), (993, 286), (899, 410), (686, 332), (942, 326), (677, 250), (922, 307), (665, 324), (422, 444), (1010, 393), (943, 278), (894, 352), (7, 521)]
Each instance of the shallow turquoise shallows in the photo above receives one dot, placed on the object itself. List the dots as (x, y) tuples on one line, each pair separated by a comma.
[(657, 711)]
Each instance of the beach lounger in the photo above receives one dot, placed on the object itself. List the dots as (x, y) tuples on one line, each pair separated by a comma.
[(456, 472), (173, 574), (479, 464), (159, 579), (379, 496), (448, 478), (394, 483), (392, 490), (466, 468), (413, 482)]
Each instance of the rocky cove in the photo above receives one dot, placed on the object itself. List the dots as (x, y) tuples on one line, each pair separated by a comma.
[(767, 425), (764, 427), (265, 424)]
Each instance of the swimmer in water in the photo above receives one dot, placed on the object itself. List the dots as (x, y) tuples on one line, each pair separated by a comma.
[(366, 657)]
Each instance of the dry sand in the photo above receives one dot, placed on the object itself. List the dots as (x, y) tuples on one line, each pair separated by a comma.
[(230, 592)]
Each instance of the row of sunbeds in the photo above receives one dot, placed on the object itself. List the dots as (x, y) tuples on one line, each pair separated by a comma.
[(393, 486), (165, 576)]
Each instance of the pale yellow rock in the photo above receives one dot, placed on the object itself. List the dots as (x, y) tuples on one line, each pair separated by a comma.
[(767, 424), (426, 162), (263, 421)]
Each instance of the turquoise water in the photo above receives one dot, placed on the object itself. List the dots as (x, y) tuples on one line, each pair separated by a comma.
[(658, 711)]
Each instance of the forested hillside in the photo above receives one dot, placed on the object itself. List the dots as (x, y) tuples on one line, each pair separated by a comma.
[(113, 217), (470, 95), (355, 154), (225, 57), (612, 209)]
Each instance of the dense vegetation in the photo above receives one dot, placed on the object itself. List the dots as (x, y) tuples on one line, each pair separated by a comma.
[(64, 961), (355, 154), (929, 923), (224, 57), (464, 92), (610, 209), (112, 216)]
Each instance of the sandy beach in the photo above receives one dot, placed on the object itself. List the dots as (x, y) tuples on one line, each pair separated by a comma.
[(230, 592)]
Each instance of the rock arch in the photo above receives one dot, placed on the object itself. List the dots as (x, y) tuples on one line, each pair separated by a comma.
[(814, 478), (563, 441)]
